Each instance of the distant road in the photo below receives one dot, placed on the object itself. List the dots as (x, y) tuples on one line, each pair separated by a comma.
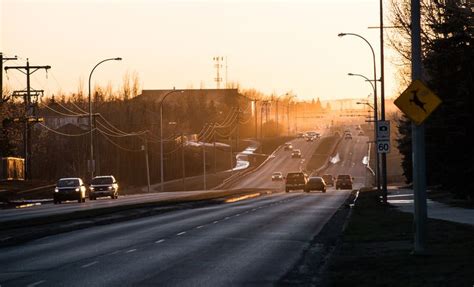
[(252, 242)]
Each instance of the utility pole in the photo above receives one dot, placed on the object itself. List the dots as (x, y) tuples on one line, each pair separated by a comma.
[(276, 118), (3, 60), (145, 149), (418, 139), (261, 119), (215, 159), (182, 161), (237, 137), (256, 118), (28, 71), (288, 116), (204, 164), (231, 156)]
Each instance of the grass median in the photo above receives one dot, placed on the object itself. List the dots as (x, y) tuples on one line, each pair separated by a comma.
[(376, 250)]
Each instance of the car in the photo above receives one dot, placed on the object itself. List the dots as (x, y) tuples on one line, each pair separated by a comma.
[(344, 181), (296, 153), (361, 133), (300, 135), (104, 185), (309, 139), (295, 181), (287, 146), (69, 188), (328, 179), (315, 183), (348, 136), (277, 176)]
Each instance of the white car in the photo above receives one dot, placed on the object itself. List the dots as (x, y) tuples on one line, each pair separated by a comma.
[(277, 176)]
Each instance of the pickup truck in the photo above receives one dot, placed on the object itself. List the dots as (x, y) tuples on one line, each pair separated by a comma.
[(295, 181)]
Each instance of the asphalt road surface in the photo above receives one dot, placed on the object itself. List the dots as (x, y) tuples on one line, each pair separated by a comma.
[(252, 242)]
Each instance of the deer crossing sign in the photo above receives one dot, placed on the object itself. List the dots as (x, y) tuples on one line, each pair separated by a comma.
[(417, 102)]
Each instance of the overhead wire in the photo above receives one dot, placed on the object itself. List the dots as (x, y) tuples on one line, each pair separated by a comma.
[(119, 146), (64, 134)]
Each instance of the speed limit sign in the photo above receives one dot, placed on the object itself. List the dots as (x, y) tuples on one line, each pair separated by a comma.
[(383, 146)]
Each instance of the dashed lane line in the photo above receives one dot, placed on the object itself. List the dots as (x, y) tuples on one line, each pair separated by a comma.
[(159, 241), (131, 250), (89, 264), (181, 233), (36, 283)]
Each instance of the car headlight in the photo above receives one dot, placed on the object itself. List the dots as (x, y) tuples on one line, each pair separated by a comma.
[(91, 188), (78, 189), (56, 190), (110, 188)]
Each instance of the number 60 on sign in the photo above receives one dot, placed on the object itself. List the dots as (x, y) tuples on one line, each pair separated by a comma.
[(383, 146)]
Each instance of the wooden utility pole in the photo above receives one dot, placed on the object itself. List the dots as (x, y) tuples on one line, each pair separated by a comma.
[(3, 60), (29, 105)]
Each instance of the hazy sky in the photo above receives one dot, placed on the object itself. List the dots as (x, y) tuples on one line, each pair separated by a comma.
[(271, 46)]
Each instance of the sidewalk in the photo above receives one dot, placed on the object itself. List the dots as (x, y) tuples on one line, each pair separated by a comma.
[(403, 200)]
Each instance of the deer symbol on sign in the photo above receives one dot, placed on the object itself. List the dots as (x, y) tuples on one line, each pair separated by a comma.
[(415, 100)]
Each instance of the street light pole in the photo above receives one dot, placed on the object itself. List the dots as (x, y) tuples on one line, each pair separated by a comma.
[(161, 136), (377, 156), (92, 164), (375, 78)]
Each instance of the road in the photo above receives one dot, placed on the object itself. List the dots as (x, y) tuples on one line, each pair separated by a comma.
[(281, 161), (252, 242)]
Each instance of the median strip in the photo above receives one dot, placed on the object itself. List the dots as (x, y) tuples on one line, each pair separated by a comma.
[(243, 197)]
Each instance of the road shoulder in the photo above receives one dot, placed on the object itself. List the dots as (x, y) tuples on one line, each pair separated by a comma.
[(375, 249)]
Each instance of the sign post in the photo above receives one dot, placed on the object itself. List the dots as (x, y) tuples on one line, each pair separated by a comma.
[(383, 136)]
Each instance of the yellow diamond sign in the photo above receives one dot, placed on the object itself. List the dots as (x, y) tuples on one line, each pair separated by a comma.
[(417, 102)]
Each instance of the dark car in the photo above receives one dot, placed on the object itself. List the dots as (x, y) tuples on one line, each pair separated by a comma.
[(288, 146), (71, 188), (296, 153), (328, 179), (344, 181), (315, 183), (104, 185), (295, 181)]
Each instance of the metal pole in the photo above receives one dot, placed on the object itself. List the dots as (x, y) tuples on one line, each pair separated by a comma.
[(377, 158), (92, 164), (147, 165), (204, 164), (162, 175), (418, 140), (375, 98), (382, 104)]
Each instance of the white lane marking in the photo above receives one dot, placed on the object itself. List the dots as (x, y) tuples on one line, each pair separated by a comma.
[(89, 264), (159, 241), (36, 283), (200, 226), (237, 215), (181, 233), (226, 218), (115, 252), (216, 221), (254, 209), (131, 250)]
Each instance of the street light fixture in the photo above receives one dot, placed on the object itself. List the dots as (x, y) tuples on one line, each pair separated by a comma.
[(375, 93), (92, 164), (161, 135)]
